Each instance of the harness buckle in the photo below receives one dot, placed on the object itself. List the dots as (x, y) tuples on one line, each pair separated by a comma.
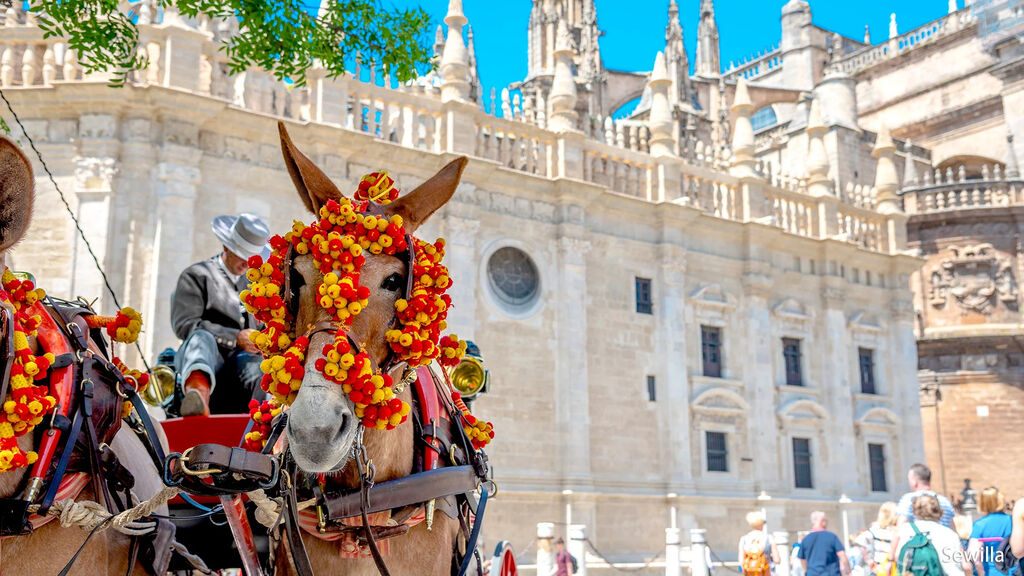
[(183, 462)]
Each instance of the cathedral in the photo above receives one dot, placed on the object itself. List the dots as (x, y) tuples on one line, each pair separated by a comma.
[(773, 284)]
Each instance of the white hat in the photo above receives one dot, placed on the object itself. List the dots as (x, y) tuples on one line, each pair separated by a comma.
[(244, 235)]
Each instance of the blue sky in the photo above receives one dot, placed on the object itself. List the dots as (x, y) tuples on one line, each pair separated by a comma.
[(635, 29)]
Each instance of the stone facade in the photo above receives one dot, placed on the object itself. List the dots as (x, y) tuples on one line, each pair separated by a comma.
[(632, 240)]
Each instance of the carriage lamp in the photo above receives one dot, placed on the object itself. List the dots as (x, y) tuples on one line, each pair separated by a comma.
[(470, 377), (161, 387)]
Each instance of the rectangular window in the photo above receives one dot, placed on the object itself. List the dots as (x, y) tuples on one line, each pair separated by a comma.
[(867, 370), (802, 463), (791, 355), (876, 459), (652, 392), (717, 451), (711, 350), (644, 301)]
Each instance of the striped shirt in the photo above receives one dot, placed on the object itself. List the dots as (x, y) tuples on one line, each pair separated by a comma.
[(905, 507)]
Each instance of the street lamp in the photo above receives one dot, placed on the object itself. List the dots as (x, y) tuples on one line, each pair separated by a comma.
[(672, 508), (969, 499), (568, 507), (844, 500), (764, 498)]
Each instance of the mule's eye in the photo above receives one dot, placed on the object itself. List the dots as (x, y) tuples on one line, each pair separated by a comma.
[(393, 283)]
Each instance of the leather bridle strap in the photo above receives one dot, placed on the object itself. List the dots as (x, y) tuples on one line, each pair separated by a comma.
[(291, 526), (364, 500), (7, 354)]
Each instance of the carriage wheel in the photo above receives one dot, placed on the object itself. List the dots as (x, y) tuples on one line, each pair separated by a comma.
[(504, 563)]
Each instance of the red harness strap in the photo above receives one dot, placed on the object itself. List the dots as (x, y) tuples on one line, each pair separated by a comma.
[(62, 386)]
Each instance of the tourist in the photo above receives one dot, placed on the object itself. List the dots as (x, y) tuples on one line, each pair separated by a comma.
[(927, 513), (821, 552), (757, 553), (962, 526), (795, 568), (989, 532), (563, 560), (857, 556), (207, 314), (1017, 535), (876, 541), (919, 477)]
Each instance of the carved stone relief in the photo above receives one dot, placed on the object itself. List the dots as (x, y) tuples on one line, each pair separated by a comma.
[(976, 277)]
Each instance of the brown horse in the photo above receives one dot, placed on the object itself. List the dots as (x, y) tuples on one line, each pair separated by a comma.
[(49, 548), (322, 425)]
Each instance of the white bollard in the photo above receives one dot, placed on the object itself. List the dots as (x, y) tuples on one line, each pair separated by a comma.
[(578, 546), (781, 540), (545, 548), (698, 556), (672, 567)]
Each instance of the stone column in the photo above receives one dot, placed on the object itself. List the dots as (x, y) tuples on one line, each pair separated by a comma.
[(460, 234), (903, 347), (743, 163), (836, 390), (662, 138), (96, 165), (819, 185), (758, 371), (175, 182), (671, 348), (181, 57), (781, 539), (545, 548), (562, 98), (698, 558), (572, 398), (577, 546)]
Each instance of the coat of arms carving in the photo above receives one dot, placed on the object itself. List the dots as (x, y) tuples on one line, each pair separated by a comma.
[(976, 277)]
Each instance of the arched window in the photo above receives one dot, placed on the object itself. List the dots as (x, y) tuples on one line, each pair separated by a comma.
[(764, 118)]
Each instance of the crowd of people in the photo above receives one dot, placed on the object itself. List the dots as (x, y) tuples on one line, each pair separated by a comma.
[(921, 535)]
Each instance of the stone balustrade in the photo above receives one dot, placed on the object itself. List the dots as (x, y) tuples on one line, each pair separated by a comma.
[(964, 194), (870, 55), (755, 67), (614, 154)]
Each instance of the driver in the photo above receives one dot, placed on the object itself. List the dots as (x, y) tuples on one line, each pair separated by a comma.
[(206, 313)]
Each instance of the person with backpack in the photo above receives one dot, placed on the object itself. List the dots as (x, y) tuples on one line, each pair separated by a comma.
[(757, 552), (565, 563), (927, 547), (821, 552)]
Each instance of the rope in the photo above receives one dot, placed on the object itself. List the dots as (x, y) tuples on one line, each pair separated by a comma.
[(612, 564), (90, 515), (268, 509), (78, 226), (192, 559)]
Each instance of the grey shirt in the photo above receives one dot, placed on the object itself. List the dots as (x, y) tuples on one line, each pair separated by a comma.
[(207, 298)]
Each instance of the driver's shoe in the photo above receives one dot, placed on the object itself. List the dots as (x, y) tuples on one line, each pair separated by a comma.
[(196, 401)]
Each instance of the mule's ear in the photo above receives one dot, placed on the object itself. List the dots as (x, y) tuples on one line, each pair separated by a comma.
[(418, 205), (313, 186), (16, 194)]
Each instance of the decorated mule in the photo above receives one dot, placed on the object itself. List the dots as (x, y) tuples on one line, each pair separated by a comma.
[(67, 464), (381, 451)]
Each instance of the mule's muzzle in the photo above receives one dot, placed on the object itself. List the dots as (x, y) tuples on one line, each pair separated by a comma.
[(321, 429)]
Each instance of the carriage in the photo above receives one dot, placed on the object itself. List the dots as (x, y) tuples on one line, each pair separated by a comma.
[(383, 469)]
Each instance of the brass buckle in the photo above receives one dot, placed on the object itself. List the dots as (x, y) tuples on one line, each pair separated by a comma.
[(183, 462)]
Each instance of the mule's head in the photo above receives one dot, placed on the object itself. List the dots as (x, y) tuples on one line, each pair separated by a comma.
[(322, 424), (16, 194)]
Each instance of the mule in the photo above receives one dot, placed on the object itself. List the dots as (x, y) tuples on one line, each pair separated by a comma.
[(322, 426), (48, 549)]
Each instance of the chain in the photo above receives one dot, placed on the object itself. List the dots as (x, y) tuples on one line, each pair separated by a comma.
[(721, 562), (363, 460), (78, 226), (612, 565)]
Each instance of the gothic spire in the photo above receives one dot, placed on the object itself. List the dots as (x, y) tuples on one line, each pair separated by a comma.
[(455, 58), (708, 58), (563, 86), (887, 184), (660, 121), (678, 65)]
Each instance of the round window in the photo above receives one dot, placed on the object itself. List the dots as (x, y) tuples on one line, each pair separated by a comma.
[(513, 277)]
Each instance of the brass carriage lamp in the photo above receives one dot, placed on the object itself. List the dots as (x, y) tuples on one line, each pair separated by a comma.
[(469, 376)]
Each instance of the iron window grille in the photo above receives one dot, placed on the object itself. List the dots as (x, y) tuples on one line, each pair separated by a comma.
[(717, 449), (802, 463), (644, 300), (652, 389), (711, 350), (876, 461), (791, 355), (867, 370)]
